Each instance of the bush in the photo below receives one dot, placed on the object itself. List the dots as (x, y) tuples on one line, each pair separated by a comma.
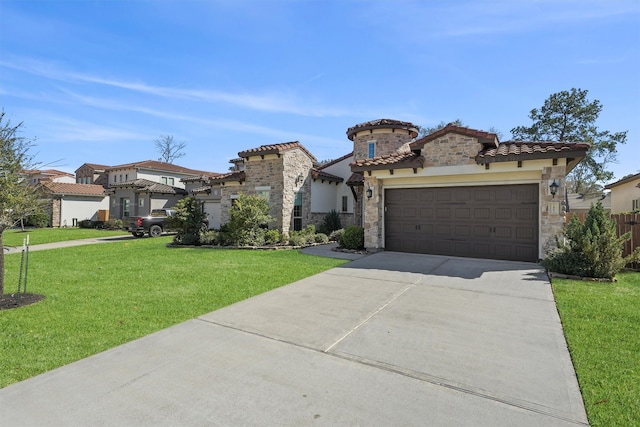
[(249, 216), (331, 222), (296, 238), (272, 237), (39, 220), (188, 221), (592, 249), (321, 238), (210, 237), (336, 236), (86, 223), (353, 237), (113, 224)]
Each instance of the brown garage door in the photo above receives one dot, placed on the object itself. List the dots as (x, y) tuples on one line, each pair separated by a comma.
[(499, 222)]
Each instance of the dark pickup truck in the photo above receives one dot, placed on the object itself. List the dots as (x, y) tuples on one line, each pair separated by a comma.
[(153, 225)]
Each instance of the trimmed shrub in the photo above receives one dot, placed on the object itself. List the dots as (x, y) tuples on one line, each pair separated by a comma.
[(272, 237), (321, 238), (39, 219), (297, 239), (353, 237), (210, 237), (188, 221), (249, 216), (336, 236)]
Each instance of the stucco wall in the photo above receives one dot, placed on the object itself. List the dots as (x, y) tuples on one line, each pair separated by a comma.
[(623, 194)]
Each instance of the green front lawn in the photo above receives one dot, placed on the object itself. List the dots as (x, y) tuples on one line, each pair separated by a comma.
[(602, 324), (100, 296), (37, 236)]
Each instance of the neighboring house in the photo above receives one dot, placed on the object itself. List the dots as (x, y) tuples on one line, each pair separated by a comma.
[(137, 188), (459, 191), (332, 190), (52, 175), (625, 194), (70, 203), (581, 203), (199, 187), (91, 173)]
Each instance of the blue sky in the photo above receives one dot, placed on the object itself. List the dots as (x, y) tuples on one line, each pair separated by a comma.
[(98, 81)]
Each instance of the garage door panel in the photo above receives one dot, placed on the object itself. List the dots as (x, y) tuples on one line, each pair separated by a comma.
[(486, 222)]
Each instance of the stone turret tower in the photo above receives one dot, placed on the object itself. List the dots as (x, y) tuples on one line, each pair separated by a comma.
[(381, 137)]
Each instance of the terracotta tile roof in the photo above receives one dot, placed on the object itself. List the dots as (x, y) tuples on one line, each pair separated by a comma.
[(624, 180), (161, 166), (239, 176), (147, 186), (382, 123), (51, 172), (96, 166), (63, 188), (324, 176), (203, 178), (391, 161), (520, 150), (276, 149), (333, 162), (356, 179), (487, 138)]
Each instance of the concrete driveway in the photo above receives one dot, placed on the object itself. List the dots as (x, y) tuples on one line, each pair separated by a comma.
[(389, 339)]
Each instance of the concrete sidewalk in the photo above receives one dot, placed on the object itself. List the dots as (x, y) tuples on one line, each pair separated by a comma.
[(388, 339)]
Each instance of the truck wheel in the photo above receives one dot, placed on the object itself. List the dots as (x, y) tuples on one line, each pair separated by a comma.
[(137, 234), (155, 231)]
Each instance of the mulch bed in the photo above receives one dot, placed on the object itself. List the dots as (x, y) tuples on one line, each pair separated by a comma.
[(9, 301)]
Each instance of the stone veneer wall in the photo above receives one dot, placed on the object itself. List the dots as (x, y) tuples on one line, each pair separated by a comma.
[(55, 207), (387, 142), (373, 215), (267, 172), (551, 225), (451, 150), (295, 163)]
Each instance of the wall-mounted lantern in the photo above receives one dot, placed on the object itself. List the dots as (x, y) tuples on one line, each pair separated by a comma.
[(369, 192), (553, 188), (299, 179)]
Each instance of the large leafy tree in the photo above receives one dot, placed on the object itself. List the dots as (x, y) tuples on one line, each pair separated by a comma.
[(570, 116), (17, 198)]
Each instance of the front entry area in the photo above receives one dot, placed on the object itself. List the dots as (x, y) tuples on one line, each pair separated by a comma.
[(496, 222)]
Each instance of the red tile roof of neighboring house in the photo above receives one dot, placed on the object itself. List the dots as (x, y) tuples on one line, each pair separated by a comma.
[(521, 150), (483, 137), (64, 188), (276, 149), (390, 161), (147, 186), (382, 123), (161, 166), (96, 166), (239, 176), (324, 176)]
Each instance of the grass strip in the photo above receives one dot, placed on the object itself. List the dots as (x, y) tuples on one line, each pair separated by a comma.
[(101, 296), (601, 322), (37, 236)]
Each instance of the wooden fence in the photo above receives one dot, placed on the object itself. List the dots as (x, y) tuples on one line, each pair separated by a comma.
[(624, 223)]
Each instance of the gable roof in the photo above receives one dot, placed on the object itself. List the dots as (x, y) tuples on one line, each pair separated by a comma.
[(333, 162), (239, 176), (147, 186), (64, 188), (160, 166), (50, 172), (95, 166), (356, 179), (276, 149), (520, 150), (624, 180), (486, 138)]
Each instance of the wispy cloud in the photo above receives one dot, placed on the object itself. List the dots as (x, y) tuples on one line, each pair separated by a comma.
[(268, 101)]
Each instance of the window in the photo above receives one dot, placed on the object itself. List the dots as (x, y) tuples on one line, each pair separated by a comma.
[(297, 212), (264, 192), (372, 149), (635, 205), (126, 207), (141, 203), (167, 180), (345, 203), (126, 177)]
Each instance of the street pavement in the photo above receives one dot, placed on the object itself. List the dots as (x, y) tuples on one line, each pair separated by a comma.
[(388, 339)]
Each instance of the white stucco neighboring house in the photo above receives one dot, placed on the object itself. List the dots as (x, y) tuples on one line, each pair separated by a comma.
[(69, 203), (37, 176), (625, 194)]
